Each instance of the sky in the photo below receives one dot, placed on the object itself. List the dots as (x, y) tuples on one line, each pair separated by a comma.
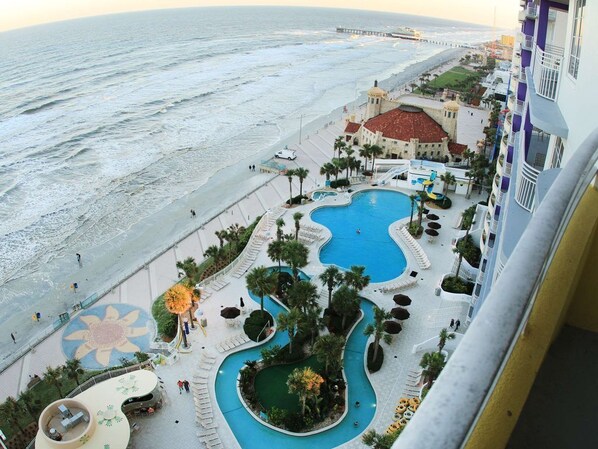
[(22, 13)]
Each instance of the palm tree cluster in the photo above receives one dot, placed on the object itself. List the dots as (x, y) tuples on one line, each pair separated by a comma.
[(221, 253), (345, 161), (300, 173)]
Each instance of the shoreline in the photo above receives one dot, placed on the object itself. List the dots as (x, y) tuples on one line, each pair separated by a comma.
[(232, 179)]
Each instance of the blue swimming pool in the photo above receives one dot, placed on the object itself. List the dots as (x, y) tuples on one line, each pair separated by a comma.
[(370, 212), (252, 435)]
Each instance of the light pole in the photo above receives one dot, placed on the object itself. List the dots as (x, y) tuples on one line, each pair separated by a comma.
[(300, 127)]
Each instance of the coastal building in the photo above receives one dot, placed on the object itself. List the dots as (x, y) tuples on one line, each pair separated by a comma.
[(535, 290), (407, 131)]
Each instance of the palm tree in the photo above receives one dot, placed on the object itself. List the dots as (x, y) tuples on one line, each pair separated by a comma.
[(328, 169), (328, 349), (337, 167), (190, 269), (305, 383), (73, 369), (297, 216), (345, 302), (423, 197), (260, 281), (177, 300), (11, 411), (275, 249), (449, 179), (466, 222), (221, 236), (234, 234), (331, 277), (375, 151), (377, 329), (432, 364), (413, 199), (339, 144), (365, 154), (290, 174), (443, 337), (356, 279), (301, 173), (311, 322), (295, 254), (289, 322), (470, 175), (380, 440), (53, 375), (30, 403), (303, 295), (279, 225), (214, 252), (349, 151), (343, 164)]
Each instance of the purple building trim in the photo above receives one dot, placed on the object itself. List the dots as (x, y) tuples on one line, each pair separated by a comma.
[(521, 90), (559, 6), (516, 123), (496, 211), (527, 132), (542, 25), (510, 151)]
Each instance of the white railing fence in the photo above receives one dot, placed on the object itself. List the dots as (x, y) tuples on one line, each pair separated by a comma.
[(547, 71)]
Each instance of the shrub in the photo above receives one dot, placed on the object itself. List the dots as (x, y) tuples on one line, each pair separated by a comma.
[(270, 355), (415, 230), (375, 365), (452, 284), (340, 183), (470, 252), (255, 323), (166, 322), (297, 199), (277, 417), (444, 203), (285, 281)]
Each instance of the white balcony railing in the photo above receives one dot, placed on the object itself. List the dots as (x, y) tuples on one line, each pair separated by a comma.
[(511, 102), (547, 71), (519, 107), (531, 11), (508, 167), (523, 77), (526, 190)]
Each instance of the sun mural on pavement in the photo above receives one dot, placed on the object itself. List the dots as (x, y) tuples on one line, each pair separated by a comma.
[(99, 337)]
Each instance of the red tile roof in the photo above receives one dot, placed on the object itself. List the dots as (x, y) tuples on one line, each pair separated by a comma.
[(403, 125), (352, 127), (456, 148)]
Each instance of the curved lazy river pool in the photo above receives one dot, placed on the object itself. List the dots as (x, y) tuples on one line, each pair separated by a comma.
[(251, 434), (360, 233)]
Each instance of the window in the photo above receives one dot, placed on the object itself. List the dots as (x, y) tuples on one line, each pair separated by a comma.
[(576, 38), (557, 154)]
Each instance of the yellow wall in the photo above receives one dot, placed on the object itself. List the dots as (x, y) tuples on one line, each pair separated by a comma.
[(568, 276), (507, 40)]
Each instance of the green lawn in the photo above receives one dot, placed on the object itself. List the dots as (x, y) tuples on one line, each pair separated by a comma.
[(271, 385), (451, 78)]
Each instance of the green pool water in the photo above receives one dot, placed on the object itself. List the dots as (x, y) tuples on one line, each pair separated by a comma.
[(271, 384)]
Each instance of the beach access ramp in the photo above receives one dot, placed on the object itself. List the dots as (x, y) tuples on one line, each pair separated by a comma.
[(271, 166)]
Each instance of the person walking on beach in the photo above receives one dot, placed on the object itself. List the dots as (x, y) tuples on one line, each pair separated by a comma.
[(180, 385), (452, 323), (457, 324), (74, 286), (186, 385), (78, 258), (14, 340)]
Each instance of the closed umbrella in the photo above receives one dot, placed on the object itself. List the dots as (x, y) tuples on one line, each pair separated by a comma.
[(432, 217), (401, 300), (241, 303), (392, 327), (399, 313), (434, 225), (230, 313)]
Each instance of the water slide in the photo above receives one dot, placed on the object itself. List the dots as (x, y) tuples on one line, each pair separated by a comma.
[(390, 174), (428, 185)]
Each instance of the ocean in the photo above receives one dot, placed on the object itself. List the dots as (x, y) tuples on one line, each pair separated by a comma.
[(110, 126)]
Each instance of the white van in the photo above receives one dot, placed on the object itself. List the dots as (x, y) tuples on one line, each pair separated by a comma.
[(286, 154)]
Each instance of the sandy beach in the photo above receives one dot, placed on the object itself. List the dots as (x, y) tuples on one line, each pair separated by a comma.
[(137, 272)]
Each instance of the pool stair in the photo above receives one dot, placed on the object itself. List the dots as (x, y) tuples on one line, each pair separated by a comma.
[(416, 249)]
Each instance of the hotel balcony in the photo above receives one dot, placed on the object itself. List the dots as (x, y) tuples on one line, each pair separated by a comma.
[(531, 11), (526, 187), (511, 102), (519, 107), (524, 373), (527, 43), (547, 71), (521, 15), (545, 113)]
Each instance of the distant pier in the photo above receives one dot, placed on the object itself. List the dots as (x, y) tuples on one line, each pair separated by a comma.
[(407, 38)]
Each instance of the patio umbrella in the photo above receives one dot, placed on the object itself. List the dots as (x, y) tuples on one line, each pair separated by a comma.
[(230, 312), (434, 225), (426, 211), (400, 314), (431, 233), (401, 300), (432, 217), (392, 327)]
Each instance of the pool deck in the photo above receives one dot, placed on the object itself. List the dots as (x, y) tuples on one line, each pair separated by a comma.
[(429, 313)]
